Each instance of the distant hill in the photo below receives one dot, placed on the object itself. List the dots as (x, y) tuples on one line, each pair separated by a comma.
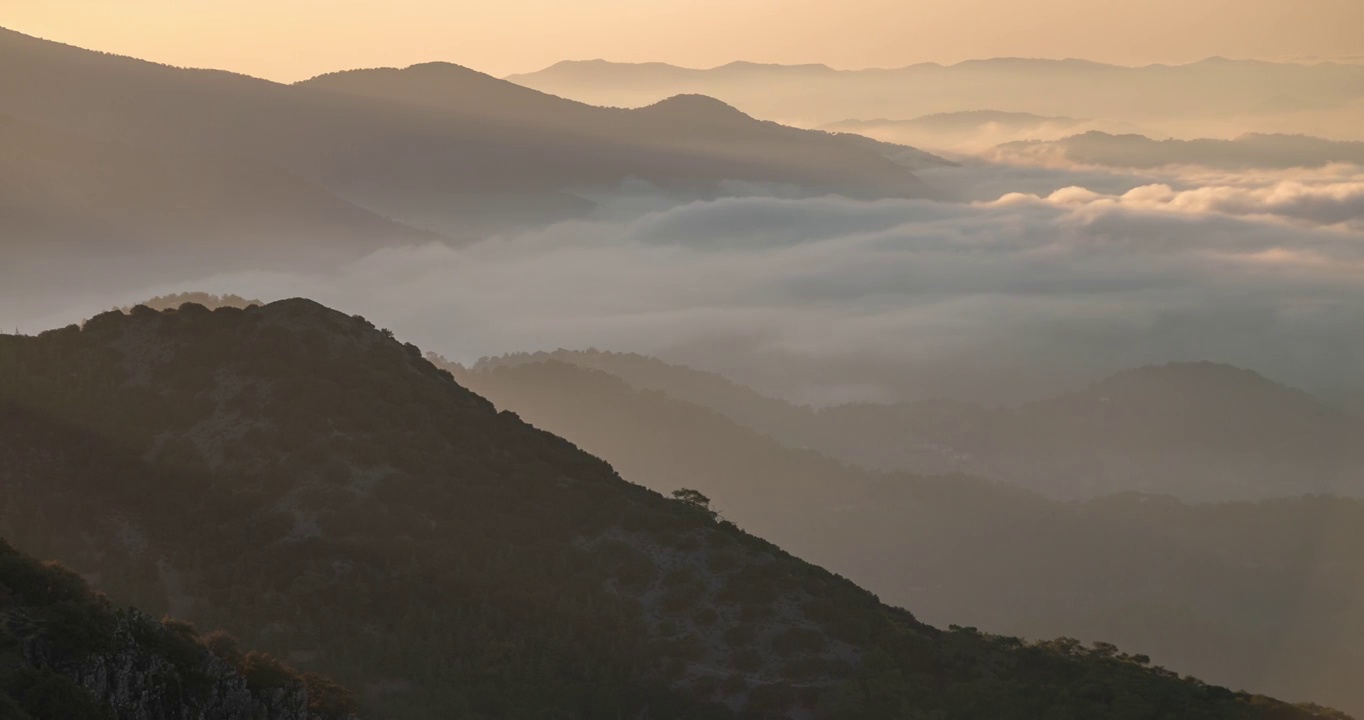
[(691, 128), (106, 198), (66, 652), (1200, 431), (816, 95), (1244, 153), (436, 146), (302, 479), (1248, 594), (967, 130)]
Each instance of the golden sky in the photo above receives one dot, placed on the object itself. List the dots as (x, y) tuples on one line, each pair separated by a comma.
[(294, 39)]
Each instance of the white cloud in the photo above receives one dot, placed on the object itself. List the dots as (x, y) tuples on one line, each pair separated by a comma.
[(900, 297)]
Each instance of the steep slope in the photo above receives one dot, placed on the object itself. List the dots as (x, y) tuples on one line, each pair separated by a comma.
[(1257, 595), (300, 478), (456, 166), (1251, 151), (1200, 431), (66, 653)]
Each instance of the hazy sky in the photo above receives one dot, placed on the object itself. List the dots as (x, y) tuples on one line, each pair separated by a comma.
[(294, 39)]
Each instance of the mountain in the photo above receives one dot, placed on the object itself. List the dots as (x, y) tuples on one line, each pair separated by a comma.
[(966, 119), (305, 481), (689, 127), (95, 203), (435, 146), (1199, 431), (967, 130), (66, 653), (1250, 594), (1246, 152), (1210, 92)]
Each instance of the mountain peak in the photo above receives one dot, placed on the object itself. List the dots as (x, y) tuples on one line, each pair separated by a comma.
[(696, 107)]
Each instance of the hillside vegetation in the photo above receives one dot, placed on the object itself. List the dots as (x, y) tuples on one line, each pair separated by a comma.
[(307, 482), (66, 653), (1257, 594)]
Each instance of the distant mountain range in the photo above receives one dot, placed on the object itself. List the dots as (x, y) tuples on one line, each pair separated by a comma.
[(106, 197), (1251, 594), (1252, 151), (304, 480), (435, 146), (816, 95), (1200, 431), (971, 131)]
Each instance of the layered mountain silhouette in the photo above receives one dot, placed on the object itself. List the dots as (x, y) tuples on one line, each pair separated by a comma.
[(76, 193), (1199, 431), (966, 130), (436, 146), (1251, 151), (302, 479), (1250, 594), (816, 95)]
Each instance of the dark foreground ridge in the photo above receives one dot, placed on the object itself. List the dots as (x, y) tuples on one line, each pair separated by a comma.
[(305, 481), (66, 653)]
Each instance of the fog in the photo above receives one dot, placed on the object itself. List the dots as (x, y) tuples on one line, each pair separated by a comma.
[(1067, 276), (717, 363)]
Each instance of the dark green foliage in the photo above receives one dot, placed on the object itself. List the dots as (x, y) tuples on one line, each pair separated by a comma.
[(43, 693), (746, 659), (769, 701), (328, 699), (264, 673), (65, 626)]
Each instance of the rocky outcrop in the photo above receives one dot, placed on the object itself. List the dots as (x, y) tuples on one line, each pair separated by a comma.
[(66, 652), (150, 673)]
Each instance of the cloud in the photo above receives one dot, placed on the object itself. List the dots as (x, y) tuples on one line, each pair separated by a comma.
[(1339, 202), (830, 298)]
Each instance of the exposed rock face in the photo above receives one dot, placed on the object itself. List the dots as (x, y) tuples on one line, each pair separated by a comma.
[(138, 679)]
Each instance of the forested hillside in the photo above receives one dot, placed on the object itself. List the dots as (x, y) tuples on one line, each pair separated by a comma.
[(66, 653), (1249, 594), (303, 480)]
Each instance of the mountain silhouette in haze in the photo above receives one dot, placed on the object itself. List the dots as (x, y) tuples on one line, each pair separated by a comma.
[(1247, 152), (315, 487), (1149, 572), (965, 120), (105, 197), (969, 130), (815, 95), (435, 146), (694, 129), (1200, 431)]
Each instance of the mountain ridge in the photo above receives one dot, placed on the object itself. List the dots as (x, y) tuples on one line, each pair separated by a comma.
[(483, 561), (1217, 589)]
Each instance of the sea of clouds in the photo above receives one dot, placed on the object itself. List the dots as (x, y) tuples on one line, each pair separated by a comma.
[(1038, 278)]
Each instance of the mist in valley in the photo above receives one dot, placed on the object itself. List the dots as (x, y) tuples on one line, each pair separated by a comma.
[(1026, 347)]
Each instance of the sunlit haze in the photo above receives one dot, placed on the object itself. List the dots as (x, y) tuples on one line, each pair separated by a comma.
[(290, 40), (682, 359)]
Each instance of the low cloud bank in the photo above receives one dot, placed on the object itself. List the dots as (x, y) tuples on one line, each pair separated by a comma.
[(997, 299)]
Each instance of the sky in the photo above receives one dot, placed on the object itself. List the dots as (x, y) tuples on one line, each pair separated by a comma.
[(290, 40)]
